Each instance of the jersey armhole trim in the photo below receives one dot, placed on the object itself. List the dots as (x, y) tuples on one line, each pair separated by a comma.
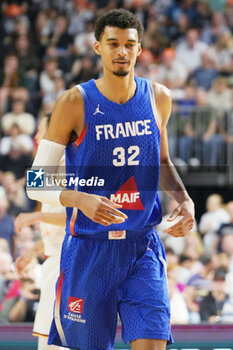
[(84, 130), (82, 91), (153, 105)]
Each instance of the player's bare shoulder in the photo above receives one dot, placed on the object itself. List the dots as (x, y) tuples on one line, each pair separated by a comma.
[(163, 99), (71, 98), (67, 116)]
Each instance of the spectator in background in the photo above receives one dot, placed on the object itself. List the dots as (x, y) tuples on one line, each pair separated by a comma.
[(28, 61), (61, 38), (220, 96), (81, 14), (206, 73), (224, 262), (161, 6), (226, 130), (22, 26), (22, 94), (140, 9), (177, 31), (12, 21), (179, 310), (83, 69), (201, 280), (48, 76), (5, 273), (44, 27), (51, 53), (15, 192), (181, 110), (83, 42), (24, 50), (59, 88), (15, 137), (18, 116), (25, 240), (224, 52), (11, 76), (175, 130), (155, 38), (229, 14), (211, 221), (214, 28), (4, 246), (171, 72), (190, 49), (193, 245), (21, 308), (217, 307), (15, 161), (203, 14), (6, 223), (146, 67), (201, 139), (227, 246), (64, 60), (226, 228)]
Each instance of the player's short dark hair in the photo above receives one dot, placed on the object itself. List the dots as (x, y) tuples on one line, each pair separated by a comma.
[(119, 18)]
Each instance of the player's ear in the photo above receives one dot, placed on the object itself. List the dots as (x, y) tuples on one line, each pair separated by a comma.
[(139, 49), (97, 47)]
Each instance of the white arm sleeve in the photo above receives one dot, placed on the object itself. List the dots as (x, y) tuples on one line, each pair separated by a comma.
[(48, 156)]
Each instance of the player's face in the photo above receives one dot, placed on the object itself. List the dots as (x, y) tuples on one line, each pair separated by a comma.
[(119, 49)]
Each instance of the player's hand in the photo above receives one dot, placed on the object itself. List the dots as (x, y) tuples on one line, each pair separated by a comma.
[(25, 219), (100, 209), (22, 261), (185, 212)]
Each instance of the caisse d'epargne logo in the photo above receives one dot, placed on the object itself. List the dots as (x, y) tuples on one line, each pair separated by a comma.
[(75, 305)]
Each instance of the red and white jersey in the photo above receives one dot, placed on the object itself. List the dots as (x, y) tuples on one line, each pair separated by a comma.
[(52, 235)]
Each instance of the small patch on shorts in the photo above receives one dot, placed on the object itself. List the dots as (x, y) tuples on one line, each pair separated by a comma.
[(75, 305), (117, 234)]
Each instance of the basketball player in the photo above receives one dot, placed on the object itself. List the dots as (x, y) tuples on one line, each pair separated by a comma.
[(50, 245), (112, 259)]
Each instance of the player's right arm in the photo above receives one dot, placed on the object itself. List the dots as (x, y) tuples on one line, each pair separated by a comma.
[(68, 116)]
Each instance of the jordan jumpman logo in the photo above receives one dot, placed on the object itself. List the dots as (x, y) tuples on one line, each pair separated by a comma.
[(98, 110)]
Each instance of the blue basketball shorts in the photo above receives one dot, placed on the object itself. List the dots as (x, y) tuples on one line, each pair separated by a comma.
[(102, 277)]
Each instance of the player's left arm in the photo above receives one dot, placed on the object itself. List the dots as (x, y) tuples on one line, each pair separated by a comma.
[(30, 254), (170, 181), (28, 219)]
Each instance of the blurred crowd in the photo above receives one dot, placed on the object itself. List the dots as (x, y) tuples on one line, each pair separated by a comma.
[(45, 48)]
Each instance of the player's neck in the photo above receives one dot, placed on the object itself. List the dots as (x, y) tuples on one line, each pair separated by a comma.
[(117, 89)]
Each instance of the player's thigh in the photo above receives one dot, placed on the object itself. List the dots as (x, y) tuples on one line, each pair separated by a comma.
[(148, 344), (144, 305)]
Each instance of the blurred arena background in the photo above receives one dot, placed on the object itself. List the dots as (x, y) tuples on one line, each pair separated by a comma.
[(45, 48)]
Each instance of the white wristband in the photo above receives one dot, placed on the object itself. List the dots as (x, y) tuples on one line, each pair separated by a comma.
[(46, 196), (48, 155)]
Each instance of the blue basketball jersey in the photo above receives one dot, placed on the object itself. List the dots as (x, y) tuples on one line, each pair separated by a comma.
[(117, 156)]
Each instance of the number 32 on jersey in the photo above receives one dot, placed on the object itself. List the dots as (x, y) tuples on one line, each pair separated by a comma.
[(126, 156)]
